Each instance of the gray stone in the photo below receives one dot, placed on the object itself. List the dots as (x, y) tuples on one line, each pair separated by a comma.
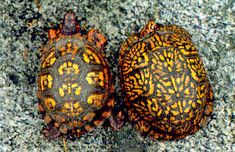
[(24, 31)]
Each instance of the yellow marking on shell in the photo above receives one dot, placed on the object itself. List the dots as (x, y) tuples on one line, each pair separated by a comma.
[(69, 45), (66, 105), (145, 58), (154, 60), (166, 84), (142, 127), (175, 113), (76, 105), (136, 58), (172, 118), (199, 101), (171, 91), (159, 112), (68, 68), (76, 68), (95, 99), (194, 75), (76, 48), (158, 39), (46, 81), (180, 106), (68, 88), (187, 91), (190, 102), (174, 105), (71, 108), (191, 114), (181, 47), (184, 103), (178, 80), (174, 83), (165, 53), (139, 83), (60, 70), (167, 111), (170, 55), (161, 57), (96, 78), (149, 83), (90, 57), (62, 51), (67, 49), (86, 58), (61, 92), (151, 103), (50, 60), (194, 105), (187, 109), (170, 63), (50, 103), (152, 44), (188, 47), (78, 90)]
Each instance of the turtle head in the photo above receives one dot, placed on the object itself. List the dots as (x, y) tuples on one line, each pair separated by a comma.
[(69, 23)]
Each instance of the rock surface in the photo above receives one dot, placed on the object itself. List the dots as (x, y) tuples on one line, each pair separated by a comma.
[(24, 26)]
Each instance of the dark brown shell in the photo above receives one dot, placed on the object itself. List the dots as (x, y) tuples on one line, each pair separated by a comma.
[(74, 84)]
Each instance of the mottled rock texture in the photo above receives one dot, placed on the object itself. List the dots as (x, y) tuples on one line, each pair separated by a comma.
[(23, 30)]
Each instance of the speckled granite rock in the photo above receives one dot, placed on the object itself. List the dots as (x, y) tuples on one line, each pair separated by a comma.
[(23, 27)]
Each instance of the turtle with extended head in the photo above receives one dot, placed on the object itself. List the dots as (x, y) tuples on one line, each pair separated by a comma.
[(74, 81)]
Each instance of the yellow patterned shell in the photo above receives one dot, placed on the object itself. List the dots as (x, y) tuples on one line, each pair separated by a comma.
[(167, 93), (74, 85)]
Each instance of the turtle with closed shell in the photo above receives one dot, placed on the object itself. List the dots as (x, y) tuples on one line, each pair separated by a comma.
[(167, 93)]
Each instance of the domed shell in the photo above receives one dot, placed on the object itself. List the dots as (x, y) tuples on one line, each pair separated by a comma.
[(166, 91), (74, 82)]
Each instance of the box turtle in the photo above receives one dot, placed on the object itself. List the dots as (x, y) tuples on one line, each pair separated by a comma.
[(74, 82), (166, 91)]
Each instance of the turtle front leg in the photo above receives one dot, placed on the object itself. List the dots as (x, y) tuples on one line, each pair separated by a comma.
[(150, 27), (95, 37), (52, 33)]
